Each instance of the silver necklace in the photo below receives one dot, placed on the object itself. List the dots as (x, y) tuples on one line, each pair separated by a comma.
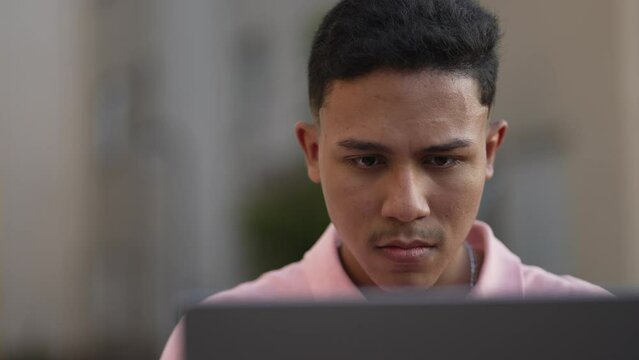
[(473, 264)]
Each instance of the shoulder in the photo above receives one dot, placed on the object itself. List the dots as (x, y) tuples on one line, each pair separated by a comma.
[(537, 281), (289, 282), (503, 272)]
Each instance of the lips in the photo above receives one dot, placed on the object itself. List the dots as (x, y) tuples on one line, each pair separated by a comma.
[(406, 252)]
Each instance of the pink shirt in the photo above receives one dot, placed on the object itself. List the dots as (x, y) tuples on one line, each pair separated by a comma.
[(320, 276)]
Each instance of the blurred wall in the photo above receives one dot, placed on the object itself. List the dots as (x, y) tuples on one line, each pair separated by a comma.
[(627, 45), (568, 85), (47, 201), (167, 236)]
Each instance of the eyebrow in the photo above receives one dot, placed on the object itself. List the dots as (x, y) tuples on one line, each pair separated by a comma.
[(355, 144), (449, 146)]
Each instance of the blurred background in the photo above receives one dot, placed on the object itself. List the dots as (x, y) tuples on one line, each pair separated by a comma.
[(147, 157)]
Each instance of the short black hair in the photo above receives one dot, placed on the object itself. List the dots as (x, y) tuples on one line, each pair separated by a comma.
[(358, 37)]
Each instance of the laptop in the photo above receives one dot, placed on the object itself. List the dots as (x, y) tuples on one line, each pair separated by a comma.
[(411, 328)]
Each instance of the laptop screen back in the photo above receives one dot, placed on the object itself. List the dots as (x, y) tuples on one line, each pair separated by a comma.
[(540, 329)]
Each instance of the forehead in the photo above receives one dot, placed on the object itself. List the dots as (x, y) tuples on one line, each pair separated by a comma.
[(426, 103)]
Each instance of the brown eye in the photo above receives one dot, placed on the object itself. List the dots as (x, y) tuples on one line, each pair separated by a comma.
[(367, 161), (440, 161)]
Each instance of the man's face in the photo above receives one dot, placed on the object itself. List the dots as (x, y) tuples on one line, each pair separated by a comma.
[(402, 159)]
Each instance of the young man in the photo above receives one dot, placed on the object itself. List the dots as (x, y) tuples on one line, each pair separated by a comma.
[(402, 145)]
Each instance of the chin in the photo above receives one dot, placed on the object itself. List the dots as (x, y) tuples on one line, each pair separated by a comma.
[(405, 282)]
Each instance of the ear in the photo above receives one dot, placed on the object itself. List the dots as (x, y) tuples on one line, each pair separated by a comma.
[(307, 136), (494, 139)]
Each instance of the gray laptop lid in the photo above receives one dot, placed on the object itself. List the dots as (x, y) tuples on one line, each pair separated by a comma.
[(602, 328)]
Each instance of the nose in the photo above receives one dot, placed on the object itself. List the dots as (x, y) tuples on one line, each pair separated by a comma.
[(405, 197)]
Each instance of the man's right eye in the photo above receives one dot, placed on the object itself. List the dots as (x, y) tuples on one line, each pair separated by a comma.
[(367, 161)]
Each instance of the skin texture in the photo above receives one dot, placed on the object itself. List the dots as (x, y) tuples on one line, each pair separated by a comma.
[(402, 157)]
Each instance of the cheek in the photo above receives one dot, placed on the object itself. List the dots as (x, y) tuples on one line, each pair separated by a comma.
[(458, 199), (349, 200)]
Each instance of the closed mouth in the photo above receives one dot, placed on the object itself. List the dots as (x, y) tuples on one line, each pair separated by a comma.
[(405, 252), (407, 244)]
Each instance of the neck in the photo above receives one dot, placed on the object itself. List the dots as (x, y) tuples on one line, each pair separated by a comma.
[(458, 271)]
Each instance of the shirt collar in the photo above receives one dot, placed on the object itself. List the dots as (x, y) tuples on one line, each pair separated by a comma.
[(501, 271), (324, 271)]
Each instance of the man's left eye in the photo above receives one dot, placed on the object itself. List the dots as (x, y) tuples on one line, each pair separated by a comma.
[(440, 161)]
